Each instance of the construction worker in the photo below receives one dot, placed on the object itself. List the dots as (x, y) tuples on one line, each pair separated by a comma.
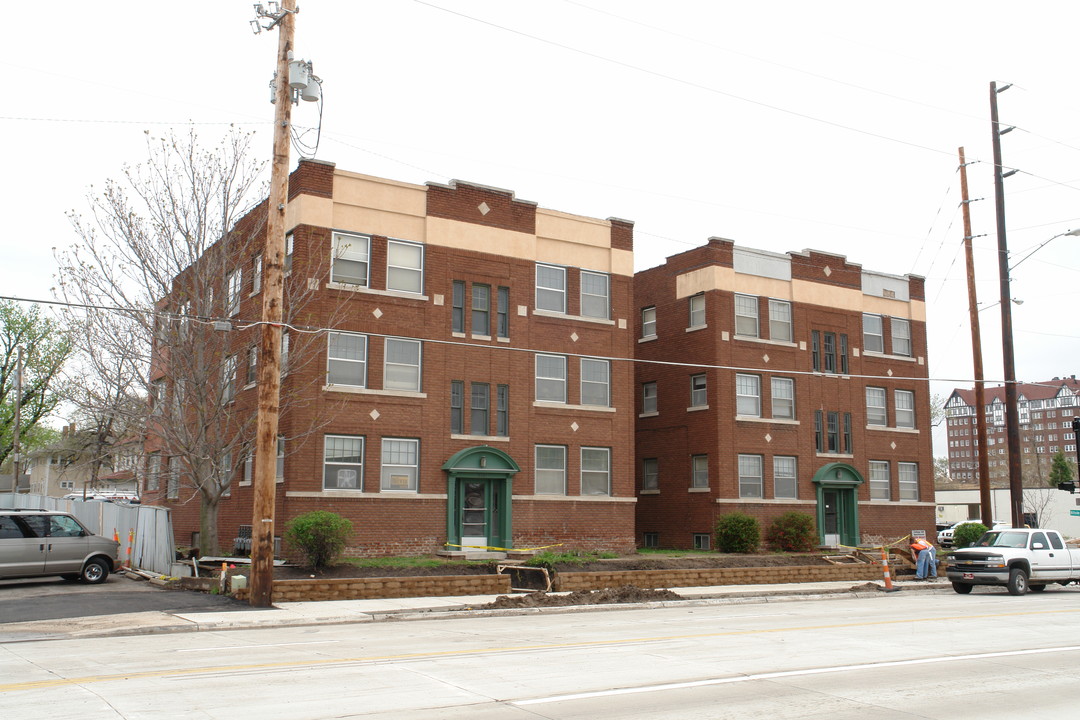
[(925, 557)]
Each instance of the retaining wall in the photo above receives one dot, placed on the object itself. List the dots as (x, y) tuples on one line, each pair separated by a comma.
[(698, 577), (392, 587)]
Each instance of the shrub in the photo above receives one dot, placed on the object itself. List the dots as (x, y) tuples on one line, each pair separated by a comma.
[(792, 532), (737, 533), (966, 534), (319, 536)]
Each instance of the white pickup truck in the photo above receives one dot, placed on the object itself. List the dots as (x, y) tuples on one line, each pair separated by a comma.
[(1020, 559)]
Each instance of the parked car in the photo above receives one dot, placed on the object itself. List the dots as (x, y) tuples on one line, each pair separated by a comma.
[(36, 543), (945, 537), (1020, 559)]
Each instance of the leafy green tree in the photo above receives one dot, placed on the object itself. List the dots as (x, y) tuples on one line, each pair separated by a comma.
[(1061, 470), (46, 347)]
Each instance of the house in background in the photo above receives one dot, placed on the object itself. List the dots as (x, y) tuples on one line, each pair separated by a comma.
[(68, 466), (782, 382)]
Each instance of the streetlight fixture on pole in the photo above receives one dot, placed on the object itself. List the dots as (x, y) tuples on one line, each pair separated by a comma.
[(1069, 233)]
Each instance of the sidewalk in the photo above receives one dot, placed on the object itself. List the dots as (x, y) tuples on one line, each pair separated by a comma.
[(291, 614)]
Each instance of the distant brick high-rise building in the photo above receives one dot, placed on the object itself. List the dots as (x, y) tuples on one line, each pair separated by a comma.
[(793, 382)]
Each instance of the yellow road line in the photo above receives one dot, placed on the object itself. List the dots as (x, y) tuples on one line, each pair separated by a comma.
[(89, 679)]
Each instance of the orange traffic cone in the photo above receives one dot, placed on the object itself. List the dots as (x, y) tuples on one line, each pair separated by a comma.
[(885, 566)]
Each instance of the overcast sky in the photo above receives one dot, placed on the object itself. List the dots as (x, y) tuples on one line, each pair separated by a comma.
[(779, 125)]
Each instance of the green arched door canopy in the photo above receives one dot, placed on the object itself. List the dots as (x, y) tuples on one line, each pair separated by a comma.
[(478, 492), (838, 504)]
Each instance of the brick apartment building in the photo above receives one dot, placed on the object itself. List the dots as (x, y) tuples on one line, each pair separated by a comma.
[(459, 374), (792, 382), (1046, 410)]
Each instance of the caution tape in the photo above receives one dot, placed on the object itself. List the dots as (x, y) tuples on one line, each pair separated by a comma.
[(502, 549), (875, 547)]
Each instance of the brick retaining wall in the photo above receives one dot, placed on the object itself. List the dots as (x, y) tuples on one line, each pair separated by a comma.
[(699, 577), (391, 587)]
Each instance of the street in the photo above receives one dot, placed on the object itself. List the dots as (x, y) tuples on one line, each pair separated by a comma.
[(905, 655)]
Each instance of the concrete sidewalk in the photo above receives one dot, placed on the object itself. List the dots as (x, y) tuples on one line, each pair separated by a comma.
[(360, 611)]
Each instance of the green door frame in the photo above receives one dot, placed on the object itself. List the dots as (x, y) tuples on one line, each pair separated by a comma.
[(482, 462), (846, 480)]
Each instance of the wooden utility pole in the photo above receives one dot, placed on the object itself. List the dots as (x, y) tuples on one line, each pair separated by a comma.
[(982, 453), (265, 480), (1012, 411)]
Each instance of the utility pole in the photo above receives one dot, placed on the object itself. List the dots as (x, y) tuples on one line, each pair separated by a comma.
[(265, 480), (16, 450), (976, 356), (1012, 412)]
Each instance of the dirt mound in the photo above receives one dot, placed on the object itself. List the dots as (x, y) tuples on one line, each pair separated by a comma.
[(624, 594)]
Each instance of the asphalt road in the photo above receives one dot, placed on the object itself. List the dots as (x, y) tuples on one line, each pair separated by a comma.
[(55, 599), (898, 656)]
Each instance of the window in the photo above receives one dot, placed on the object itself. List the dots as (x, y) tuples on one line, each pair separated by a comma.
[(650, 474), (228, 379), (650, 539), (350, 263), (901, 337), (287, 264), (457, 307), (873, 339), (400, 464), (697, 311), (153, 472), (256, 274), (157, 397), (249, 465), (648, 322), (172, 483), (502, 410), (699, 471), (550, 475), (746, 315), (252, 373), (346, 362), (829, 349), (284, 353), (875, 407), (750, 482), (648, 398), (702, 541), (457, 395), (595, 471), (551, 288), (783, 398), (905, 408), (232, 292), (343, 462), (502, 309), (698, 395), (551, 378), (780, 320), (479, 408), (909, 480), (595, 382), (827, 432), (748, 395), (785, 479), (879, 480), (401, 367), (404, 267), (481, 310), (594, 295)]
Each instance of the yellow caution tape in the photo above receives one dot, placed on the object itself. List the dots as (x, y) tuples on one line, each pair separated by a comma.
[(502, 549)]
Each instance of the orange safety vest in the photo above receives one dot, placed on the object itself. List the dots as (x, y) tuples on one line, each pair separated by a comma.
[(920, 545)]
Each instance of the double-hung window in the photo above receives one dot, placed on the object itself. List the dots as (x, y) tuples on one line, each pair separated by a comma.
[(287, 264), (750, 476), (873, 338), (351, 258), (551, 378), (905, 408), (343, 462), (780, 320), (595, 471), (595, 290), (457, 403), (783, 398), (502, 410), (785, 478), (551, 288), (228, 379), (879, 480), (346, 362), (748, 395), (650, 474), (400, 464), (457, 307), (481, 310), (699, 471), (479, 408), (746, 315), (648, 322), (404, 266), (401, 366), (648, 398), (502, 309), (699, 396), (232, 292), (279, 461), (697, 311), (908, 476), (256, 274), (153, 472), (901, 337), (875, 407), (549, 478), (595, 382), (252, 365)]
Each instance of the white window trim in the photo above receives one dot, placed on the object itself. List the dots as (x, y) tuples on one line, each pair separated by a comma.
[(538, 287), (564, 469), (360, 475), (607, 294), (336, 254), (423, 260)]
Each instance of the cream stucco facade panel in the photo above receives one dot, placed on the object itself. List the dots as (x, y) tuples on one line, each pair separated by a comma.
[(561, 252), (572, 228), (622, 262), (704, 279), (309, 210), (913, 310), (353, 218), (386, 195), (480, 238)]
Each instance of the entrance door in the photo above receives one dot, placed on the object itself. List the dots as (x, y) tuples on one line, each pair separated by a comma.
[(831, 516), (478, 513)]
